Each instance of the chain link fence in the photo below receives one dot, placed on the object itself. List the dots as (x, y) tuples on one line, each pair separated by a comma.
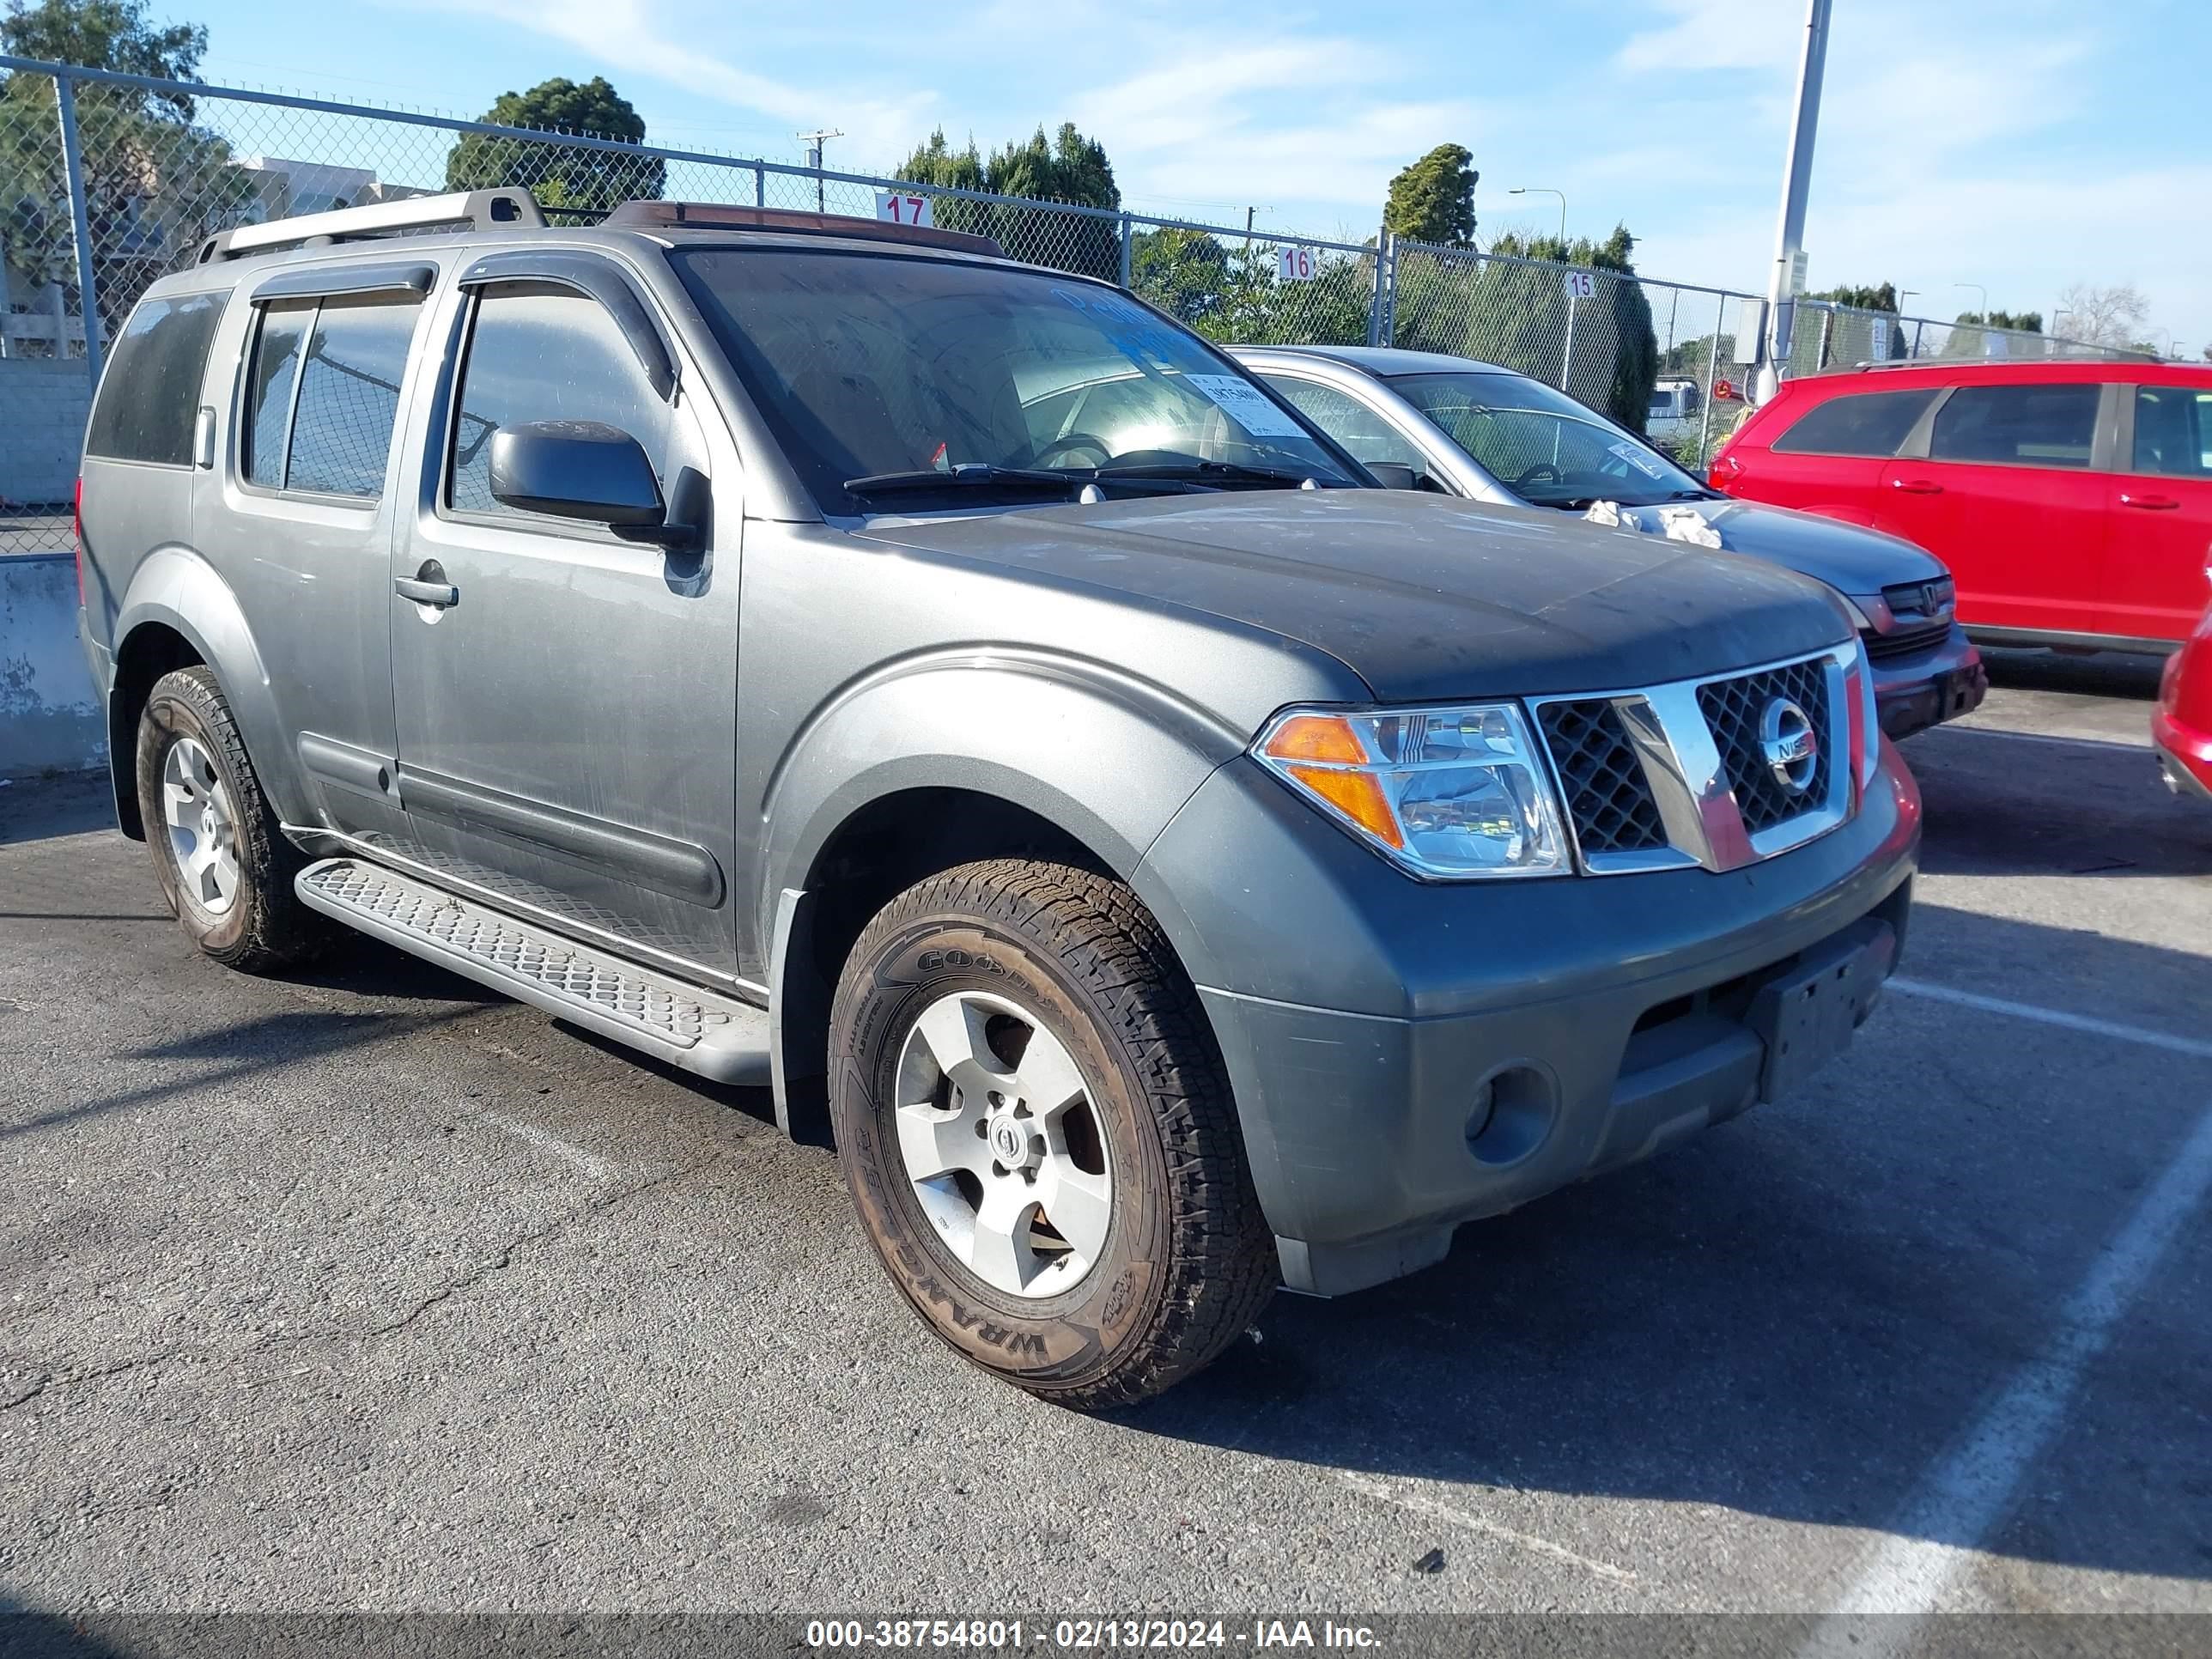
[(107, 181)]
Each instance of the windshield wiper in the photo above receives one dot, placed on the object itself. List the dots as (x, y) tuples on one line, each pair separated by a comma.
[(1209, 472), (923, 479)]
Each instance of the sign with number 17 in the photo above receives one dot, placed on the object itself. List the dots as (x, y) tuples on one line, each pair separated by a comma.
[(903, 208)]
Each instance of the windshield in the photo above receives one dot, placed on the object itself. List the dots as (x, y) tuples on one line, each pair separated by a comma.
[(879, 367), (1542, 444)]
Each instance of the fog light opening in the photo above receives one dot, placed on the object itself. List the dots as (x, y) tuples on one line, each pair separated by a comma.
[(1513, 1111)]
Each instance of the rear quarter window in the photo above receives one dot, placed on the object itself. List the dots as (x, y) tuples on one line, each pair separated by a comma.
[(1857, 423), (150, 392)]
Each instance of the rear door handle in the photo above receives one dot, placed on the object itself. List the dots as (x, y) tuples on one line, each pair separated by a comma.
[(2150, 503), (1917, 486), (438, 594)]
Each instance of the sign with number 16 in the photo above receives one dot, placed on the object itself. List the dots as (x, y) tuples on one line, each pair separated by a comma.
[(1295, 264)]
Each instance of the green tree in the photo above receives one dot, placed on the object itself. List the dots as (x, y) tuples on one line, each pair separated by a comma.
[(560, 175), (1065, 167), (1433, 200), (155, 183)]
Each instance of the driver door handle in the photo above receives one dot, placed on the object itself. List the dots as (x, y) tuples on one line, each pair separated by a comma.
[(440, 594), (428, 587), (1917, 486)]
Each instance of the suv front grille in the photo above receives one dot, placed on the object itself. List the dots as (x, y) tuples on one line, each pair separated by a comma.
[(1733, 708), (1608, 796), (1909, 640)]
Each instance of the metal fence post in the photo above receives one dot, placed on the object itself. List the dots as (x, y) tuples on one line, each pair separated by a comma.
[(1384, 278), (1827, 325), (88, 296), (1916, 327), (760, 185), (1567, 355), (1128, 249), (1712, 358)]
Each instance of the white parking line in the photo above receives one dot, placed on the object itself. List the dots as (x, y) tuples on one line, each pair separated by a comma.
[(2194, 1047), (545, 1141), (1436, 1510), (1965, 1494)]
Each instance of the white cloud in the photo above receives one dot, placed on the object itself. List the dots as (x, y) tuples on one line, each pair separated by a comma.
[(1716, 34), (635, 35)]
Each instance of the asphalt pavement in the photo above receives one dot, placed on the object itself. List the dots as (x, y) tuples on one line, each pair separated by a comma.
[(366, 1290)]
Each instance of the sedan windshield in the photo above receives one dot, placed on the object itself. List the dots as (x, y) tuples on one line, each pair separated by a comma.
[(1542, 444), (878, 371)]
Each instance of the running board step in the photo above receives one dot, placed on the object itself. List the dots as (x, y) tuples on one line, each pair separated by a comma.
[(716, 1036)]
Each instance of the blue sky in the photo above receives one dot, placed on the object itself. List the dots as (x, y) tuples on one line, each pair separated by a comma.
[(2019, 144)]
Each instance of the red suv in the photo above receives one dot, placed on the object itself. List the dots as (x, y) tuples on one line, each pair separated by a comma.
[(2071, 500)]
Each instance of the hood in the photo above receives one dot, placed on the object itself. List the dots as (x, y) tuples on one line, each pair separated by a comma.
[(1849, 557), (1422, 596)]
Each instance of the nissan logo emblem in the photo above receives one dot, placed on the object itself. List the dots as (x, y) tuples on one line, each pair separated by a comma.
[(1789, 744)]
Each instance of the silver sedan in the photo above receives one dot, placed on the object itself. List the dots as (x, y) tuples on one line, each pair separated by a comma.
[(1421, 420)]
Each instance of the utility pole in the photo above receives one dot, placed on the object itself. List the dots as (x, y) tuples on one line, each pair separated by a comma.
[(814, 141), (1797, 183)]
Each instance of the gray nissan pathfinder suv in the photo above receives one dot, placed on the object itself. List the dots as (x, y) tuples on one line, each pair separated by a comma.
[(831, 656)]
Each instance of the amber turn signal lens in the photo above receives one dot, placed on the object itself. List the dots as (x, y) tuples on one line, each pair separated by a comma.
[(1359, 796), (1326, 738)]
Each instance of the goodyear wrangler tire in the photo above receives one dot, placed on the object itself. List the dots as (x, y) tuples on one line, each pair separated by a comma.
[(1039, 1136), (223, 863)]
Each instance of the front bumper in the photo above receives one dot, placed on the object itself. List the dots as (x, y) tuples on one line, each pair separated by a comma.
[(1366, 1018), (1912, 693), (2184, 757)]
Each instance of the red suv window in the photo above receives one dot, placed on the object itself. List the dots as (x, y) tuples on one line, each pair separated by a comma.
[(1857, 423), (2017, 425)]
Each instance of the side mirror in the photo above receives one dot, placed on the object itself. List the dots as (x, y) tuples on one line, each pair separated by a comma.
[(1394, 475), (581, 470)]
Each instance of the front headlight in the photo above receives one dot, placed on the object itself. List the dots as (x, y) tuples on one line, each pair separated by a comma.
[(1447, 792)]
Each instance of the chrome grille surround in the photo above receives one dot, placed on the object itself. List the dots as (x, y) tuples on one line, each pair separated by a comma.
[(1688, 777)]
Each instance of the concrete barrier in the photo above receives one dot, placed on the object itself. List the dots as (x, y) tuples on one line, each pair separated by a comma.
[(49, 719), (45, 399)]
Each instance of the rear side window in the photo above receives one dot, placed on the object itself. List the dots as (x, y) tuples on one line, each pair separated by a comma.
[(149, 396), (2173, 432), (319, 420), (1857, 423), (2017, 425)]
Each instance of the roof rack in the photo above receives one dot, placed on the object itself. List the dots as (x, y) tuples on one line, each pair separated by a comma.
[(721, 215), (473, 209)]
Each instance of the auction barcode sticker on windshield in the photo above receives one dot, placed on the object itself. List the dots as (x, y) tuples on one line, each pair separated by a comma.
[(1246, 404), (1636, 458)]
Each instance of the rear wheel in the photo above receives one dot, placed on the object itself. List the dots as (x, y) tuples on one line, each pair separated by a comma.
[(223, 863), (1039, 1136)]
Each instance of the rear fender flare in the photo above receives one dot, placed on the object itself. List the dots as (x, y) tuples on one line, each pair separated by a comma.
[(177, 588)]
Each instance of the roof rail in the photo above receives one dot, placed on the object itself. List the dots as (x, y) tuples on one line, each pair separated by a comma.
[(474, 209), (721, 215)]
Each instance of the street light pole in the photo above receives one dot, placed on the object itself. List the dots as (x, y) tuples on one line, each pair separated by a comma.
[(1540, 189), (1796, 185), (1984, 293)]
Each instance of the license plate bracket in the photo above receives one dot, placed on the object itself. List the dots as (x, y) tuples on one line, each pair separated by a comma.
[(1806, 1015)]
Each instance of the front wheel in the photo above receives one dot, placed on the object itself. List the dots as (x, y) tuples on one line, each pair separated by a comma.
[(1039, 1136)]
